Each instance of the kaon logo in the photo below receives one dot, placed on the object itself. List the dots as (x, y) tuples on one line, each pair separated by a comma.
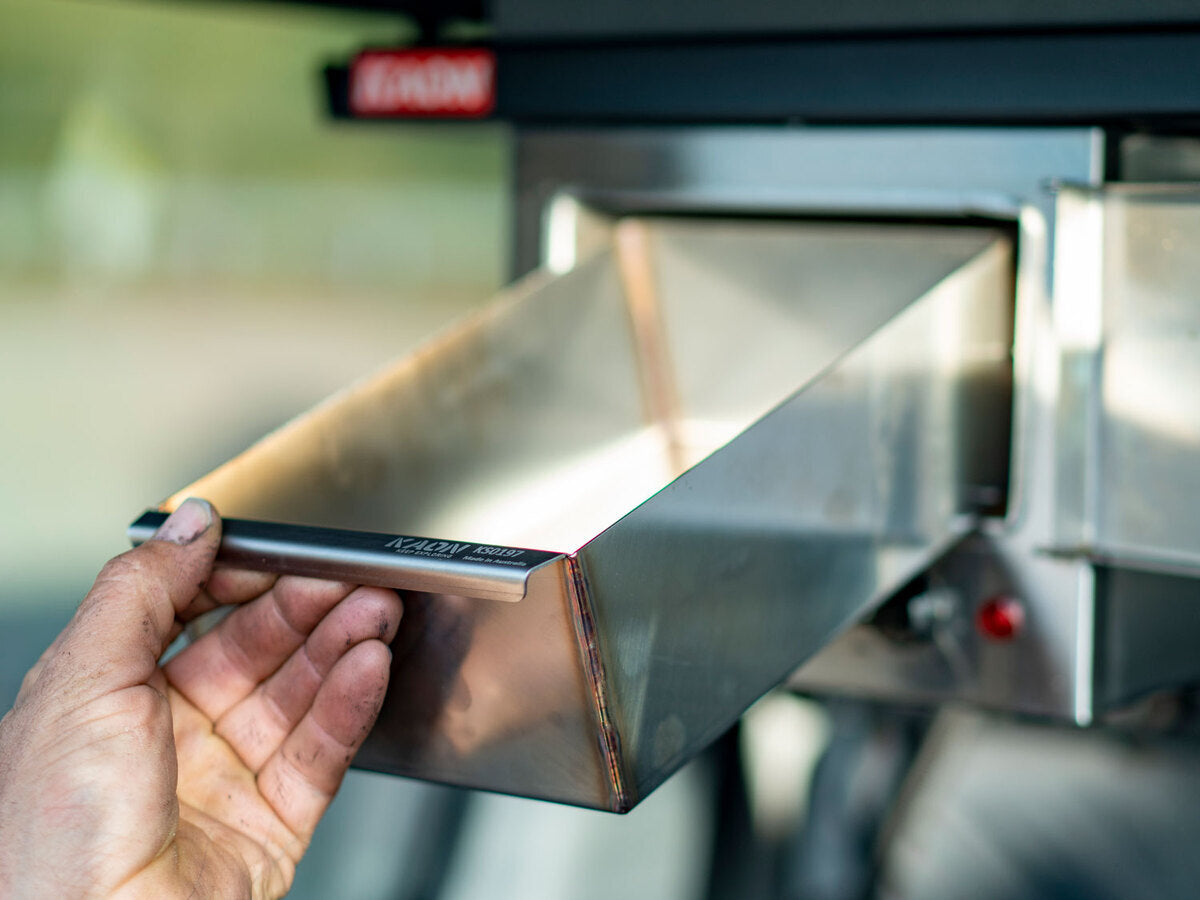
[(423, 83), (424, 546)]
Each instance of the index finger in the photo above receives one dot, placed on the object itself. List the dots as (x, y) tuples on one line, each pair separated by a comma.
[(228, 587), (227, 663)]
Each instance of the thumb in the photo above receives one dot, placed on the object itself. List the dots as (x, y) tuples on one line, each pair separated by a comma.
[(126, 621)]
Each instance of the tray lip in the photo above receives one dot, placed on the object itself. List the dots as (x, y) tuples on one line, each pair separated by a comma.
[(399, 561)]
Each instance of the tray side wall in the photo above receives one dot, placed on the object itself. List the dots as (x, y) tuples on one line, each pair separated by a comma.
[(709, 594)]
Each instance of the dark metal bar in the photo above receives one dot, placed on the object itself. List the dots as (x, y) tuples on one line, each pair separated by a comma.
[(361, 557)]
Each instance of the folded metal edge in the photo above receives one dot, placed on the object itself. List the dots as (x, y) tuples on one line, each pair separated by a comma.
[(402, 562)]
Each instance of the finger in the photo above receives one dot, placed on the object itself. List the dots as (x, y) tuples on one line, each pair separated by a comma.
[(227, 587), (229, 662), (258, 725), (224, 587), (125, 621), (302, 777)]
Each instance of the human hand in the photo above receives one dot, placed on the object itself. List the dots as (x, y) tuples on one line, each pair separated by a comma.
[(204, 777)]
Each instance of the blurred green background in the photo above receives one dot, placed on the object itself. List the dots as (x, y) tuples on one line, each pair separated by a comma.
[(191, 253)]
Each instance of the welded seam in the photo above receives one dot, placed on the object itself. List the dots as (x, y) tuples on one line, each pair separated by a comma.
[(589, 647)]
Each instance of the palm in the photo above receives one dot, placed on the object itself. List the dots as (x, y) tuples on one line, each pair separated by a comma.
[(267, 710), (225, 827)]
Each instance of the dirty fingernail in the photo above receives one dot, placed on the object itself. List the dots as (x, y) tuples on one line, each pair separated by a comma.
[(193, 517)]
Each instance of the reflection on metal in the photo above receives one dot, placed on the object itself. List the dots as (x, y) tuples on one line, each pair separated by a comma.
[(827, 383), (1102, 540), (636, 265), (1007, 173), (710, 592), (361, 557), (1037, 672), (1129, 413), (763, 171)]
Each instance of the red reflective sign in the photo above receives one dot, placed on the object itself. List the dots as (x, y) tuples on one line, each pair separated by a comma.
[(440, 83)]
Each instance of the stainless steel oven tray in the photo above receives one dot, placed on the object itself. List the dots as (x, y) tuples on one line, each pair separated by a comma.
[(721, 441)]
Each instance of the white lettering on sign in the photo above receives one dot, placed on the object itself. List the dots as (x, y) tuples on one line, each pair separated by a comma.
[(423, 83)]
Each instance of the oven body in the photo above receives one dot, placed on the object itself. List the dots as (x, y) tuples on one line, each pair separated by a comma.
[(1090, 548), (897, 371)]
